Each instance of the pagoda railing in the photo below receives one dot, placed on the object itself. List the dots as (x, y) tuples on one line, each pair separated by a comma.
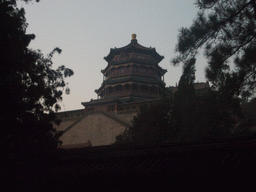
[(124, 93), (154, 76), (131, 69)]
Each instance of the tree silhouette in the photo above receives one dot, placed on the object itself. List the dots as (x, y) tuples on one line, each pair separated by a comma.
[(30, 88), (226, 30), (150, 125)]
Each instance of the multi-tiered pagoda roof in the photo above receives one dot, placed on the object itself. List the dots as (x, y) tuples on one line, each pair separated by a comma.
[(131, 75)]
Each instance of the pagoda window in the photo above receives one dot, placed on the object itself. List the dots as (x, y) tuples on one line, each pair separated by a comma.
[(145, 70), (141, 57), (151, 70), (140, 69), (127, 87), (134, 106), (121, 70), (123, 56), (113, 71), (103, 93), (135, 87), (118, 88), (111, 107), (129, 68), (134, 69), (160, 91), (110, 90), (153, 90), (128, 56), (144, 88), (89, 109)]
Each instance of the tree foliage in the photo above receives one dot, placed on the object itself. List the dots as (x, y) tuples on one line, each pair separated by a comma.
[(249, 108), (226, 30), (187, 116), (183, 108), (198, 115), (150, 125), (30, 87), (162, 120), (246, 127)]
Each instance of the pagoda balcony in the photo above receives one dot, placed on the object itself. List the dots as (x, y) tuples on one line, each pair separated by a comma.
[(139, 93), (130, 88), (148, 75), (134, 69), (129, 57)]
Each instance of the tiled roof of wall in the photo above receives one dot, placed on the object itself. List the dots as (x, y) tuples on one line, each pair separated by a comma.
[(212, 165)]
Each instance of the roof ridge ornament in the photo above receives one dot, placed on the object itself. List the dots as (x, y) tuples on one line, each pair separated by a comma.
[(134, 40)]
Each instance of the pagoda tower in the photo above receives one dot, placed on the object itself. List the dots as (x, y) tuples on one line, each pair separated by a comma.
[(132, 78), (132, 75)]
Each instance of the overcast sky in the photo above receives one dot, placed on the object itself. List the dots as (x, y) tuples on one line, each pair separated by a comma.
[(85, 30)]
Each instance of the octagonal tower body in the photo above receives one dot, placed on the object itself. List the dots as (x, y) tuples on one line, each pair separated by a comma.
[(132, 75), (133, 72)]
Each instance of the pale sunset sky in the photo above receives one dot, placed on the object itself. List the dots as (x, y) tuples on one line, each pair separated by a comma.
[(85, 30)]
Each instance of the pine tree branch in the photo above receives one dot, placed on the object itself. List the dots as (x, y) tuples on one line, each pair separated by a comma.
[(239, 47), (212, 31)]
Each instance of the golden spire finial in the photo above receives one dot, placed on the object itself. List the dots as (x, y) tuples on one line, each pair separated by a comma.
[(133, 36)]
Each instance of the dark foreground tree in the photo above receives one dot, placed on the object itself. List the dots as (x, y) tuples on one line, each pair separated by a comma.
[(191, 115), (200, 115), (226, 30), (247, 126), (150, 125), (183, 108), (30, 88)]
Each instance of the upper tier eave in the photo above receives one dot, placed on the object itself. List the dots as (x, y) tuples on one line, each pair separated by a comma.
[(133, 62), (134, 46)]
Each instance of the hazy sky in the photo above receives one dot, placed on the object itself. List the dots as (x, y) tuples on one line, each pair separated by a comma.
[(85, 30)]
